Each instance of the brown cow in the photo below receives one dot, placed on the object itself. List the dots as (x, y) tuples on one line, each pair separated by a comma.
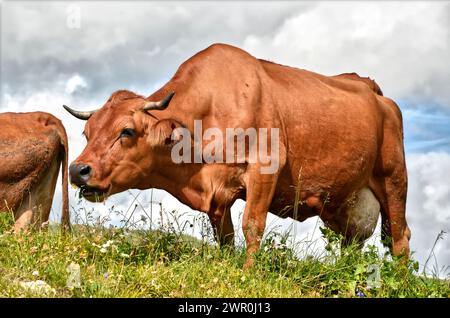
[(340, 147), (32, 148)]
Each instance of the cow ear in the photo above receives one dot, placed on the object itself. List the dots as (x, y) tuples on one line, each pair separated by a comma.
[(164, 133)]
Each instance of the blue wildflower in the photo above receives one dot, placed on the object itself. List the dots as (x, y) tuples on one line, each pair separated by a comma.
[(359, 293)]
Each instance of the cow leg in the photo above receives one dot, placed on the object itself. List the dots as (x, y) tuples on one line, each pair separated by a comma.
[(389, 184), (223, 227), (24, 214), (392, 194), (43, 196), (35, 208), (260, 191)]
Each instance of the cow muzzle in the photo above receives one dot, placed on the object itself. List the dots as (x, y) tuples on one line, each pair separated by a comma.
[(80, 175)]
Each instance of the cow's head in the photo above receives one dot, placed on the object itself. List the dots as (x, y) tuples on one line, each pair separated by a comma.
[(124, 144)]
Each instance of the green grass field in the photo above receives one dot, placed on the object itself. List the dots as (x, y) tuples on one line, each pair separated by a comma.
[(136, 263)]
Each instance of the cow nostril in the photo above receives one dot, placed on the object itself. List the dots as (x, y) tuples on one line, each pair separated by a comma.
[(80, 173), (85, 170)]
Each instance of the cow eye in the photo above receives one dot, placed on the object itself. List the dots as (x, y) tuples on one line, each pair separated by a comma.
[(127, 132)]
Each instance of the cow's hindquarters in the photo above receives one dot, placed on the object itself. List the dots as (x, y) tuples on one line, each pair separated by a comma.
[(390, 181)]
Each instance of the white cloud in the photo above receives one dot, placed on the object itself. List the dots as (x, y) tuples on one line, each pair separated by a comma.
[(428, 204), (402, 45), (128, 45), (75, 83)]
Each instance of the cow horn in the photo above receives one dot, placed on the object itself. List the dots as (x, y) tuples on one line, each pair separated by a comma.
[(84, 115), (162, 104)]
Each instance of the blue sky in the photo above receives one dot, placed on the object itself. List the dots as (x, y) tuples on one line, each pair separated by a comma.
[(425, 130), (404, 46)]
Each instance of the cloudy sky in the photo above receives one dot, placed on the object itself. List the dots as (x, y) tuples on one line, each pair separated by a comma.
[(78, 53)]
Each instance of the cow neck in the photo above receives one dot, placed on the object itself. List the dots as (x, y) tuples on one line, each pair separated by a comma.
[(187, 183)]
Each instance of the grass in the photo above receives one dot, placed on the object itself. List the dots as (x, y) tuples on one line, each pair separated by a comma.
[(118, 262)]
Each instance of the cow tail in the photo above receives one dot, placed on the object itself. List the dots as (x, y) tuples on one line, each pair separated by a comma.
[(65, 215)]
